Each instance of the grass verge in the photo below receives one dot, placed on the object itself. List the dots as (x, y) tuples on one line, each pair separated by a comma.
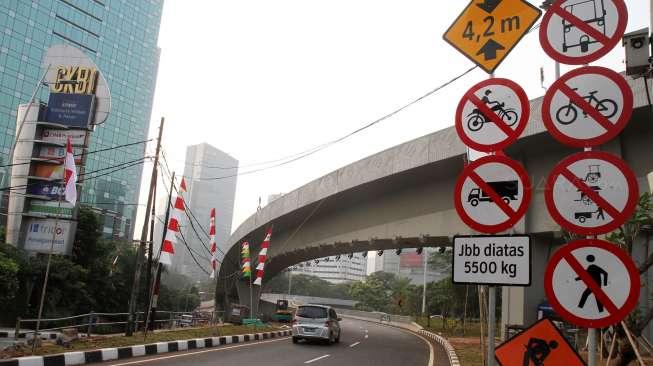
[(86, 344)]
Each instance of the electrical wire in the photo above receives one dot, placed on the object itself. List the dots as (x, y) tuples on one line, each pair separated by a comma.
[(81, 154)]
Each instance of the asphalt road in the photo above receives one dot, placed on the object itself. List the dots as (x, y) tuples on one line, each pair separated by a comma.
[(361, 344)]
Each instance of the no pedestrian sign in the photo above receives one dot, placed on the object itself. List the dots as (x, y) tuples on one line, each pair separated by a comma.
[(542, 345), (492, 194), (592, 283), (591, 193), (577, 32), (492, 115), (587, 107), (492, 260), (487, 30)]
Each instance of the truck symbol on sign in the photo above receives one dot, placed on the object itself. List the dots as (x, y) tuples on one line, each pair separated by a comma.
[(589, 11), (507, 190)]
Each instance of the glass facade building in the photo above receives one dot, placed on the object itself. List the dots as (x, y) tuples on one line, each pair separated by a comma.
[(120, 36)]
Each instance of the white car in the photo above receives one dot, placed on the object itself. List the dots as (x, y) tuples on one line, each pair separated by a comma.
[(316, 322)]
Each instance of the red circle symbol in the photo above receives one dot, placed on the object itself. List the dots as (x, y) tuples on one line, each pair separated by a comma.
[(579, 32), (591, 193), (492, 115), (587, 107), (492, 194), (592, 283)]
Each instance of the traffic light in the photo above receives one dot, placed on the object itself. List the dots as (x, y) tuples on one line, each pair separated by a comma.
[(441, 250), (419, 251), (337, 258), (351, 255), (317, 261), (398, 251), (379, 253), (364, 254)]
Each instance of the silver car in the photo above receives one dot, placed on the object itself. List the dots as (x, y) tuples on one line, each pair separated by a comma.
[(316, 322)]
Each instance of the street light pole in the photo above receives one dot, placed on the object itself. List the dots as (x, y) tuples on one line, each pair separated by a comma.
[(424, 283)]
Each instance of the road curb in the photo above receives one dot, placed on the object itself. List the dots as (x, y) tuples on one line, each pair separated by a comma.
[(110, 354), (451, 352)]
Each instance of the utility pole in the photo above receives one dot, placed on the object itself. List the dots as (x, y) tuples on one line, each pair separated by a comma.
[(141, 246), (424, 283)]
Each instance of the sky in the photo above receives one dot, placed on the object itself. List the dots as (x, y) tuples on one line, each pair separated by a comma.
[(264, 79)]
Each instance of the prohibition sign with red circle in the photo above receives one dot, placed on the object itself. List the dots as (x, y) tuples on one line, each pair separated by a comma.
[(487, 192), (505, 120), (627, 183), (615, 311), (581, 27), (589, 111)]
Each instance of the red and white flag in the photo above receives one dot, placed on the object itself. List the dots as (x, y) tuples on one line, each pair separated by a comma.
[(262, 257), (214, 247), (176, 213), (70, 175)]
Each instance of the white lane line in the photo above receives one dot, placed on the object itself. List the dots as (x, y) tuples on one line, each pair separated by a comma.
[(354, 344), (317, 359), (198, 352)]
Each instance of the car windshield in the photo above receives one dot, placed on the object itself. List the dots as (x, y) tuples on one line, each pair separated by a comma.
[(313, 312)]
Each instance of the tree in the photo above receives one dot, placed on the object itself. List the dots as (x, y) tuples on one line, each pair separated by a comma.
[(8, 279)]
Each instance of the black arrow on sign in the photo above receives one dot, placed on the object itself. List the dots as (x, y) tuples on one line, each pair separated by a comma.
[(489, 5), (490, 50)]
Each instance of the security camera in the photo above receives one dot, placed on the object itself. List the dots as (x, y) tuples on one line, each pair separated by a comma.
[(637, 52)]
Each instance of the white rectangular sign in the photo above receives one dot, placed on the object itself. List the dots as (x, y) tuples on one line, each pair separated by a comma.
[(41, 232), (61, 136), (492, 260)]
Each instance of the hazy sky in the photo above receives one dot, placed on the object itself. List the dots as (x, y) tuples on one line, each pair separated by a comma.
[(264, 79)]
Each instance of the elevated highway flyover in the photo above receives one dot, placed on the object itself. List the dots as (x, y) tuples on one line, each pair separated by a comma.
[(403, 198)]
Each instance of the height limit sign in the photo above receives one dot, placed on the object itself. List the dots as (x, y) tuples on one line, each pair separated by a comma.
[(487, 30)]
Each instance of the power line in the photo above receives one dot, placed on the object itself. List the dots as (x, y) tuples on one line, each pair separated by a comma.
[(81, 154)]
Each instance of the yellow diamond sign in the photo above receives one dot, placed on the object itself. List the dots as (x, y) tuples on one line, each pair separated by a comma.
[(487, 30)]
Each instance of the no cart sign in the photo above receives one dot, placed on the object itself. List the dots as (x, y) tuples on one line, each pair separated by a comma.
[(577, 32), (492, 194), (591, 193), (587, 106), (492, 115), (592, 283)]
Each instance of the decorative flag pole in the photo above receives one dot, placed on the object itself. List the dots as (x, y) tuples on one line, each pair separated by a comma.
[(214, 247), (262, 257), (247, 269), (67, 191), (167, 247)]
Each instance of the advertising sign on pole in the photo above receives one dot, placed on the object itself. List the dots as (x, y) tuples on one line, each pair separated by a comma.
[(40, 232), (51, 190), (492, 260), (492, 194), (542, 344), (578, 32), (492, 115), (592, 283), (587, 107), (486, 31), (50, 208), (77, 137), (71, 110), (591, 193)]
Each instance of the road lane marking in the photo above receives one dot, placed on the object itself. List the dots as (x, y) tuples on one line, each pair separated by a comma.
[(317, 359), (199, 352), (354, 344)]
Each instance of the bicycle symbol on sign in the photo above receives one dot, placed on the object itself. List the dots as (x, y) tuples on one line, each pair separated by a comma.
[(568, 114), (477, 119)]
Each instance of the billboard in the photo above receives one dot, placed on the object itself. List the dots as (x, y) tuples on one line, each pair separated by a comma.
[(411, 260), (56, 152), (41, 232), (72, 110), (61, 136), (48, 171), (50, 190), (61, 209)]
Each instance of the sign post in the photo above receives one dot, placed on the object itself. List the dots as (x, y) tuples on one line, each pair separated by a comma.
[(592, 283), (486, 31)]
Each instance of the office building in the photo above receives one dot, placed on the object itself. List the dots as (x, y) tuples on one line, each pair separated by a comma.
[(203, 163), (121, 38), (335, 269)]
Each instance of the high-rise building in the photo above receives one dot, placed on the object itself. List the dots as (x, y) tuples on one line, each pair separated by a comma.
[(204, 163), (337, 269), (121, 38), (409, 265)]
